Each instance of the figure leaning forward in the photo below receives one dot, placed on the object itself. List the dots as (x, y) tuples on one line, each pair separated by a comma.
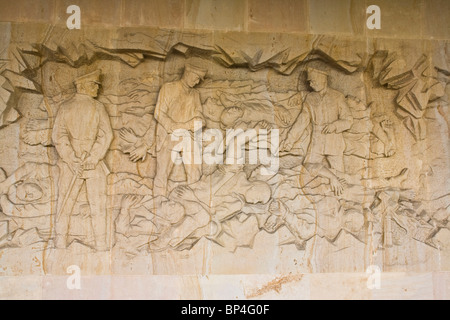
[(82, 135)]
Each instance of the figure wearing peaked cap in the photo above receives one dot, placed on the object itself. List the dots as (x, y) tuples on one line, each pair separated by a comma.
[(201, 73), (90, 77), (82, 135), (178, 107), (326, 111), (314, 71)]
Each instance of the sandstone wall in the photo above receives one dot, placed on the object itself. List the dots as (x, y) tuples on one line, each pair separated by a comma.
[(354, 123)]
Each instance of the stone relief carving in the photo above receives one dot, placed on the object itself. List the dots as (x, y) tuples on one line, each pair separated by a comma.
[(82, 134), (95, 162)]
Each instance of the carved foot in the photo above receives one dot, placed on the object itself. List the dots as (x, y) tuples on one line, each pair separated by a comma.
[(397, 181)]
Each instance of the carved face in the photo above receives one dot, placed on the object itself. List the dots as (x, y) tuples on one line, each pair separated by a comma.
[(317, 82), (172, 211), (92, 88), (231, 115), (259, 192), (27, 192), (191, 79), (89, 88)]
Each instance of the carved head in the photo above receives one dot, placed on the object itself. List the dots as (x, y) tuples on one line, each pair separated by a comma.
[(88, 88), (193, 73), (191, 79), (230, 116), (89, 84), (259, 192), (317, 79), (172, 211), (25, 192)]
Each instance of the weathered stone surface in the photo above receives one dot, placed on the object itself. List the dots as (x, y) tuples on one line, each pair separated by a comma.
[(155, 13), (278, 16), (180, 157), (27, 11), (436, 22), (399, 19), (93, 12), (215, 14), (336, 17)]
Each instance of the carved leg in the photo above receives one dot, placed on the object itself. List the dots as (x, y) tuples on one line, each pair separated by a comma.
[(62, 222), (96, 193), (164, 166)]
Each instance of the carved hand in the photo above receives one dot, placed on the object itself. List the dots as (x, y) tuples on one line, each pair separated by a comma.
[(263, 125), (77, 167), (337, 186), (129, 201), (35, 125), (186, 193), (287, 146), (283, 114), (137, 111), (389, 151), (273, 222), (329, 128), (90, 164), (182, 132), (139, 154), (128, 135), (136, 95), (32, 138)]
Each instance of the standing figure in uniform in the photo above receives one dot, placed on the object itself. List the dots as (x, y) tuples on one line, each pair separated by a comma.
[(82, 135), (326, 111), (178, 107)]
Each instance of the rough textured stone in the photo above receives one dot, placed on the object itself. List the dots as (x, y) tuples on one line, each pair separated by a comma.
[(215, 14), (155, 13), (436, 22), (399, 19), (274, 16), (27, 11), (336, 16), (93, 12)]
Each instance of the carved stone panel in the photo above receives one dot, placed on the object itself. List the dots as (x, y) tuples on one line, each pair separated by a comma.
[(154, 152)]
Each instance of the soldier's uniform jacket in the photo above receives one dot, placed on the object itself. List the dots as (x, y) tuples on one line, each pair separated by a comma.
[(321, 109), (82, 125), (177, 103)]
